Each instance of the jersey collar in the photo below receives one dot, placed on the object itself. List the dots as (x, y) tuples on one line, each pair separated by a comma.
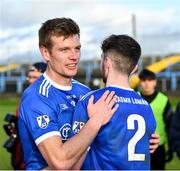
[(130, 89), (58, 86)]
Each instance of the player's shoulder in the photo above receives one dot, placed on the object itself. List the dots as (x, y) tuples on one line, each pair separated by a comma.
[(137, 95), (39, 89), (76, 84), (29, 91), (79, 88), (100, 91), (95, 93)]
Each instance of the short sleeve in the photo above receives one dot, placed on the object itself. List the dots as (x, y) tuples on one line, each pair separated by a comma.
[(39, 117)]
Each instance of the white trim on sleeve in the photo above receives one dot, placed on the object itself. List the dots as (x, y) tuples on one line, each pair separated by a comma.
[(45, 136)]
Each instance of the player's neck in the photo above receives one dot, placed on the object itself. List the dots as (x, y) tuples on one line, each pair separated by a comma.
[(118, 80), (64, 81)]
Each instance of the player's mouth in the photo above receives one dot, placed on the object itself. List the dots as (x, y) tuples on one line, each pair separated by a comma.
[(72, 66)]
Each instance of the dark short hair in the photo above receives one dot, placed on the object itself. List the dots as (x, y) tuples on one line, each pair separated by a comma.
[(146, 74), (56, 27), (39, 66), (125, 52)]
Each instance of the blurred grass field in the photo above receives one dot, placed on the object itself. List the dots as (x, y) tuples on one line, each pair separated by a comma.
[(8, 105)]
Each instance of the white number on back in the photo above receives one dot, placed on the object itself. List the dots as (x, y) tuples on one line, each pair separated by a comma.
[(137, 136)]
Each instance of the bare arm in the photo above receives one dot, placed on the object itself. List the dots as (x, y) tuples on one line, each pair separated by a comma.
[(78, 165), (64, 156)]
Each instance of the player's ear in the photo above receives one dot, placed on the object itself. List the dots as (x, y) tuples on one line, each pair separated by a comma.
[(108, 62), (134, 70), (45, 53)]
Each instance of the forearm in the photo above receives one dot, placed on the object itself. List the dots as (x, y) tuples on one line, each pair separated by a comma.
[(78, 164), (64, 156)]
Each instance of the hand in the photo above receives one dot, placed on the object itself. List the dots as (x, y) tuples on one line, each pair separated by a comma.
[(104, 108), (154, 142)]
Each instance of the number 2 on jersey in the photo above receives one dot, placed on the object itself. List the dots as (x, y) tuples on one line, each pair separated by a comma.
[(137, 136)]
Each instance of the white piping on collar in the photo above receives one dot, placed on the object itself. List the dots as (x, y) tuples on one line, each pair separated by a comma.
[(58, 86), (130, 89)]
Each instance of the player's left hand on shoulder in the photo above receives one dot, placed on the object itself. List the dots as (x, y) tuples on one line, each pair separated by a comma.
[(104, 108)]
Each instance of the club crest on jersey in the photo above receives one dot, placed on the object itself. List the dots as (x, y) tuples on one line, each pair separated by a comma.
[(64, 131), (63, 106), (43, 121), (77, 126)]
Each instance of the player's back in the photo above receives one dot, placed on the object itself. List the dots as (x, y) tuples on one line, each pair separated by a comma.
[(123, 143)]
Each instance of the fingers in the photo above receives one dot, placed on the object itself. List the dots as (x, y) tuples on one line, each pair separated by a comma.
[(90, 106), (105, 95), (91, 100), (154, 142), (110, 97), (115, 108), (112, 102), (153, 148), (155, 135), (104, 108), (155, 139), (110, 107)]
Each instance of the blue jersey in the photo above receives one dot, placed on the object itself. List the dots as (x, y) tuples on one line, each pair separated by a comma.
[(123, 143), (46, 110)]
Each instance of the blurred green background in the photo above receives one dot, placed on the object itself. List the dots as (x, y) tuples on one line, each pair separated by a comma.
[(8, 104)]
